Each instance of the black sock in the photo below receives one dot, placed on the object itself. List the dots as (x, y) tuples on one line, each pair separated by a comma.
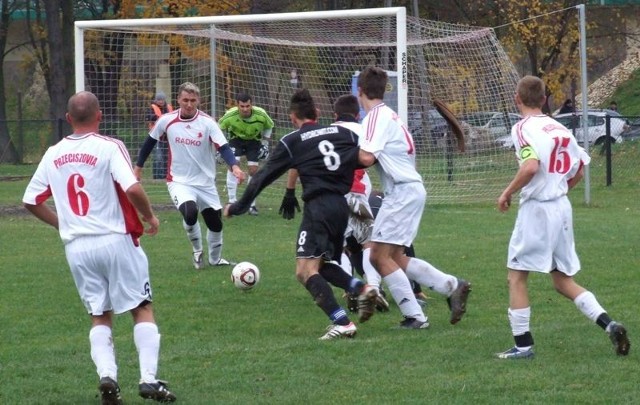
[(336, 276), (524, 340), (323, 296), (603, 320)]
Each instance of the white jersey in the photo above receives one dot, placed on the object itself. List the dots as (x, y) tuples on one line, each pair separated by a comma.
[(87, 176), (559, 154), (361, 180), (192, 146), (354, 127), (389, 140)]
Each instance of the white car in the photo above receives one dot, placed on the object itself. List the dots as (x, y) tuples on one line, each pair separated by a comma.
[(495, 126), (597, 127)]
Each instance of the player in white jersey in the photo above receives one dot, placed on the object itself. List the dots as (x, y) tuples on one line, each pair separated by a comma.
[(388, 142), (346, 112), (193, 139), (96, 197), (551, 163)]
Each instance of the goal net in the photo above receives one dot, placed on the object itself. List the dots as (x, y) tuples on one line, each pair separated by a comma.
[(125, 62)]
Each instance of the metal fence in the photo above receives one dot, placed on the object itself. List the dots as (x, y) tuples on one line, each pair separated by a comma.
[(31, 138), (622, 159), (614, 142), (28, 138)]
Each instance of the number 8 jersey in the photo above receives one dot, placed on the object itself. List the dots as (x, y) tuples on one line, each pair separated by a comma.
[(325, 158), (87, 175)]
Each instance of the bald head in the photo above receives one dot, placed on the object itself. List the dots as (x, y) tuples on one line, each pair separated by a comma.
[(83, 109)]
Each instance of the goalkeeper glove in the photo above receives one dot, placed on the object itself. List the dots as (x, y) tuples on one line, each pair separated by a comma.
[(263, 152), (289, 203)]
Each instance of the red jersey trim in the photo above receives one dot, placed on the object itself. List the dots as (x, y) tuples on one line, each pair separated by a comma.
[(132, 223)]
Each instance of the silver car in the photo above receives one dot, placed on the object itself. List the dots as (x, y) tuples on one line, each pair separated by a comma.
[(596, 121)]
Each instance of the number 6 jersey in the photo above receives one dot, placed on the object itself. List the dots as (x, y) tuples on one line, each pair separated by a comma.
[(87, 175)]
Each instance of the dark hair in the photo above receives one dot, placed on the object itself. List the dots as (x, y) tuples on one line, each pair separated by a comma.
[(568, 101), (243, 97), (347, 104), (373, 82), (303, 106)]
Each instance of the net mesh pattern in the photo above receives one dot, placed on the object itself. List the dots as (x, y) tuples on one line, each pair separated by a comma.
[(466, 67)]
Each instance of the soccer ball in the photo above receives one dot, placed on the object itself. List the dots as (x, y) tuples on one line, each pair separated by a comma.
[(245, 275)]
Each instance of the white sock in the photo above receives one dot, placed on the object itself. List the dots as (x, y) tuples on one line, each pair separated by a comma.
[(214, 240), (400, 289), (371, 274), (519, 320), (588, 305), (102, 351), (194, 235), (426, 275), (345, 264), (147, 341), (232, 186)]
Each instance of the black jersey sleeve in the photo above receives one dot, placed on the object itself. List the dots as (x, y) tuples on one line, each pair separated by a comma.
[(277, 164), (145, 151)]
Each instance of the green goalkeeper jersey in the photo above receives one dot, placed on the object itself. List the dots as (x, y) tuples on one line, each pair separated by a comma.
[(249, 129)]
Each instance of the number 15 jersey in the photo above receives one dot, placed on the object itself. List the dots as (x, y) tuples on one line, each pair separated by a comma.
[(553, 145), (87, 175)]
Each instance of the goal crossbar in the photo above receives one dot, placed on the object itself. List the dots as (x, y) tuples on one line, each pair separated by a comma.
[(268, 56), (399, 13)]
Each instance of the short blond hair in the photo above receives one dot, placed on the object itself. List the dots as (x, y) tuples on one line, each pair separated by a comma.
[(532, 91), (189, 88)]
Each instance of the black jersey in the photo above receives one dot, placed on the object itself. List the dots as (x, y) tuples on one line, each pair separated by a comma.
[(324, 156)]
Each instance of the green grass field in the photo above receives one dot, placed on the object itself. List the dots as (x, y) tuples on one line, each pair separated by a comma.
[(224, 346)]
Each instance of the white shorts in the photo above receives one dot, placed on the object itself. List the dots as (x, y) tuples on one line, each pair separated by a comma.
[(399, 216), (205, 197), (542, 238), (110, 272)]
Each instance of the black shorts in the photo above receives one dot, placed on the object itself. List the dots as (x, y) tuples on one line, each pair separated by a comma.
[(250, 149), (321, 233)]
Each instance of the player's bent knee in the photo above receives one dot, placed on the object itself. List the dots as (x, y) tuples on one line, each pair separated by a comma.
[(189, 211), (213, 219)]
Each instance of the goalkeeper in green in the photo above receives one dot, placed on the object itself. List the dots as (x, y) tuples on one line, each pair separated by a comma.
[(248, 130)]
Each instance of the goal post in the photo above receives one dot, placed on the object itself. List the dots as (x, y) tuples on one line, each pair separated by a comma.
[(398, 12), (269, 56)]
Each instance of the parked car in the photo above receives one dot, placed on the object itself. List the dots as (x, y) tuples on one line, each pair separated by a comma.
[(434, 125), (632, 132), (596, 121), (491, 127)]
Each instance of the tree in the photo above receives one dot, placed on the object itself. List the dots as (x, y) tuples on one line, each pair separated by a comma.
[(50, 25), (8, 151), (542, 38), (59, 67)]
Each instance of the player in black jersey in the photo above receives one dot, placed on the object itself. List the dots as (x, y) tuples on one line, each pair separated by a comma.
[(324, 158)]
